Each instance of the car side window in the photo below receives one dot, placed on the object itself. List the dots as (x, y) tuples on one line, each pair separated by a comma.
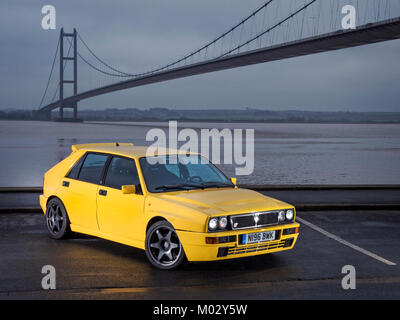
[(73, 173), (121, 172), (92, 168)]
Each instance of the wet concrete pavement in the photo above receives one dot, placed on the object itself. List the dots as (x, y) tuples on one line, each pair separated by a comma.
[(91, 268)]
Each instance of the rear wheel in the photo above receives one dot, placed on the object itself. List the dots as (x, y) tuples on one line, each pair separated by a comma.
[(57, 221), (163, 247)]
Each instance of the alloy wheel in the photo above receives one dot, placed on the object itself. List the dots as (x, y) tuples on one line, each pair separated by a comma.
[(57, 221), (55, 218), (164, 246)]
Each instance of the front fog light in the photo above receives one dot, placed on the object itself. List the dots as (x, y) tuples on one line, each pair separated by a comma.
[(213, 224), (289, 214), (223, 222), (281, 216)]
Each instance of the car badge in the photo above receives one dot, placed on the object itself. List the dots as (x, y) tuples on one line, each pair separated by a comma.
[(256, 217)]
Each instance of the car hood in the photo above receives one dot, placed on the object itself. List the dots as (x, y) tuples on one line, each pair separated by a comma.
[(224, 201)]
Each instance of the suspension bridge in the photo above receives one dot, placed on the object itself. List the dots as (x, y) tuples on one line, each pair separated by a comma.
[(279, 29)]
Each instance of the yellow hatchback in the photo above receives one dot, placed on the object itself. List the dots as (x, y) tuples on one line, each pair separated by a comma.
[(174, 205)]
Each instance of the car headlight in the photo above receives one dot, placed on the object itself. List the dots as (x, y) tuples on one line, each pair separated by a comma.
[(218, 223), (223, 222), (289, 214), (213, 224), (281, 216)]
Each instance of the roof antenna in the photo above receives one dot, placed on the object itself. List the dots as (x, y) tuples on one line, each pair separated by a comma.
[(117, 144)]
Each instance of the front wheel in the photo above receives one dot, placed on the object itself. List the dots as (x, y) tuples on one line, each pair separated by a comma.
[(57, 221), (163, 247)]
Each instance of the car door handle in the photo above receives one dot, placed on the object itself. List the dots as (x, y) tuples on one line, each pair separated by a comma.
[(65, 184), (102, 192)]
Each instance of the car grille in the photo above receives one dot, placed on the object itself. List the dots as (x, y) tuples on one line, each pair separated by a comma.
[(253, 220), (256, 247)]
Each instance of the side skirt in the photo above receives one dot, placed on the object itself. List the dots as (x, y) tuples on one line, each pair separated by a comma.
[(99, 234)]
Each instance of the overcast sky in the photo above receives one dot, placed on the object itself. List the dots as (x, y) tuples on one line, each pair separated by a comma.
[(135, 35)]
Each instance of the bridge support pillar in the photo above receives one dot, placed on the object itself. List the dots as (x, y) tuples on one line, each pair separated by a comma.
[(63, 60), (75, 107), (61, 113)]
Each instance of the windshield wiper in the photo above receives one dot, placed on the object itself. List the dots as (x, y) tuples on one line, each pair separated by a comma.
[(182, 186), (216, 184)]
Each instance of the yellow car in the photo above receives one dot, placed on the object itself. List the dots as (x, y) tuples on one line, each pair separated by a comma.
[(174, 205)]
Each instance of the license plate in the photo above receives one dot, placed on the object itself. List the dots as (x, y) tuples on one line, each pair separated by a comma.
[(258, 237)]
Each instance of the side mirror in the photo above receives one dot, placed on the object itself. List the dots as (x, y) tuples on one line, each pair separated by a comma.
[(129, 189), (234, 180)]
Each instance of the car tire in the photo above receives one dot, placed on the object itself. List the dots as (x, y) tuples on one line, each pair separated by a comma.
[(163, 247), (57, 222)]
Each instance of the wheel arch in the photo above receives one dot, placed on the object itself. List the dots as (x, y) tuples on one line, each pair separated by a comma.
[(55, 197), (155, 219), (50, 198)]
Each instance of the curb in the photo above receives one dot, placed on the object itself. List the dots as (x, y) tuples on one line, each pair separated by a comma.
[(346, 207), (295, 187), (21, 210), (261, 187), (21, 189), (299, 207)]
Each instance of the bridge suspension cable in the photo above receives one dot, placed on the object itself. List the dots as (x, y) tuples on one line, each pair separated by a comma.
[(269, 29), (204, 47), (51, 72), (100, 60), (96, 68), (122, 74)]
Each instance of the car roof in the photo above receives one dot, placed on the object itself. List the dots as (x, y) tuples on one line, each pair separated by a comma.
[(124, 149)]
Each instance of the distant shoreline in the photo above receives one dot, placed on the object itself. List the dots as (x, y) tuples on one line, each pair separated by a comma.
[(248, 115), (121, 122)]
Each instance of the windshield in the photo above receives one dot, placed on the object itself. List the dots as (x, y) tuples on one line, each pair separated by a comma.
[(171, 173)]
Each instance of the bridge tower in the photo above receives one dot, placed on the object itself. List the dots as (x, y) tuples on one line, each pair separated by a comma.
[(63, 81)]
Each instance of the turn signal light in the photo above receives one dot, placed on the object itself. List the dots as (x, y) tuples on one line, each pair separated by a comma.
[(212, 240), (290, 231), (216, 240)]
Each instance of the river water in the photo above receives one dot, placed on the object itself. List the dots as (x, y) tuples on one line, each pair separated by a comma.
[(284, 153)]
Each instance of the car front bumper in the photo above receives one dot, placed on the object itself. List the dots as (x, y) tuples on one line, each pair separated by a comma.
[(196, 248)]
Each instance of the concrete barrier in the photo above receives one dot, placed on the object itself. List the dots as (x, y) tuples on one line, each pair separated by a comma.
[(369, 197), (267, 187), (21, 210), (263, 187)]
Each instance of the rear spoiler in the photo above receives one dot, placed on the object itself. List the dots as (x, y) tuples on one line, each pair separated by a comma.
[(76, 147)]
